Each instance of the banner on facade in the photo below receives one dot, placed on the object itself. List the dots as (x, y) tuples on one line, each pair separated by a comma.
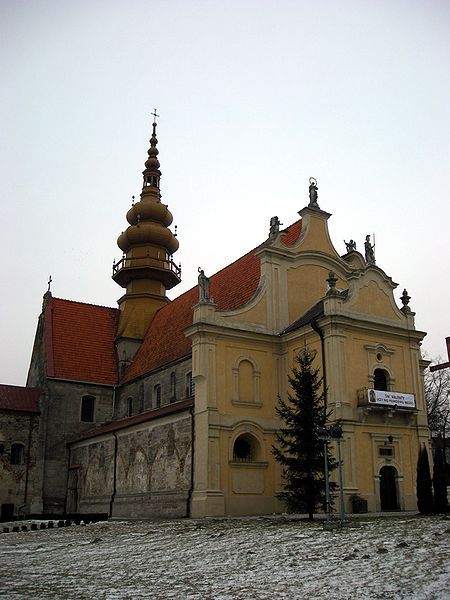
[(397, 399)]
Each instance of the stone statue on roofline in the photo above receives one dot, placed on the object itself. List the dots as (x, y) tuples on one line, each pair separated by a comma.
[(274, 227), (203, 286), (351, 245), (369, 251), (313, 195)]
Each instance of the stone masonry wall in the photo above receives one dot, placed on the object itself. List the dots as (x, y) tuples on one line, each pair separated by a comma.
[(153, 469), (63, 423), (142, 391), (17, 487)]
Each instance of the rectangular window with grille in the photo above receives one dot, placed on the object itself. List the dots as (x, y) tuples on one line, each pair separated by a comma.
[(386, 451)]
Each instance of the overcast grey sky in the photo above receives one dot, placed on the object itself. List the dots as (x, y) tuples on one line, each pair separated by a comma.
[(255, 97)]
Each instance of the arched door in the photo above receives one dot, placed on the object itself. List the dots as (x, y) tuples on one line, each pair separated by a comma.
[(388, 488)]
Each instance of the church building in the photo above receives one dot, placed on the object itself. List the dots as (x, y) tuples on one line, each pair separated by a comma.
[(168, 408)]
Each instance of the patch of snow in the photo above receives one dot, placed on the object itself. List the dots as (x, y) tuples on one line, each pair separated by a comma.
[(229, 559)]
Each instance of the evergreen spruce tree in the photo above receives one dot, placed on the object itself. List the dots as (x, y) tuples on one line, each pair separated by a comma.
[(300, 451), (439, 482), (423, 485)]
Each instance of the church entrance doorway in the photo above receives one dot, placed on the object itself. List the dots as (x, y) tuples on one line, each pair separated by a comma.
[(388, 488)]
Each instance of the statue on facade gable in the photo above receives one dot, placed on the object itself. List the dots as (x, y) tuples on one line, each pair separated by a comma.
[(351, 245), (313, 195), (203, 286), (369, 251), (274, 227)]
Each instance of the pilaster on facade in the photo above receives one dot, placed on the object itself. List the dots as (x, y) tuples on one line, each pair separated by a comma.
[(336, 361), (207, 497)]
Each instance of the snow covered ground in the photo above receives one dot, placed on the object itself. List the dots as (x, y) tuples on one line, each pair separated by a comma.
[(264, 558)]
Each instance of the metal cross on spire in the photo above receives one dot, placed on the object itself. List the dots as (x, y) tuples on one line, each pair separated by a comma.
[(49, 283), (154, 116)]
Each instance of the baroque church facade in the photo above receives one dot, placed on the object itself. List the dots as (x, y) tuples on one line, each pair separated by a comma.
[(168, 408)]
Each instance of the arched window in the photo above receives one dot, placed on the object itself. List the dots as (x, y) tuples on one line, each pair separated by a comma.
[(380, 379), (17, 454), (246, 448), (190, 386), (173, 386), (157, 396), (129, 407), (87, 409)]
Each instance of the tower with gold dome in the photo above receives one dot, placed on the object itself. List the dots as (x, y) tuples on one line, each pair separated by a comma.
[(146, 269)]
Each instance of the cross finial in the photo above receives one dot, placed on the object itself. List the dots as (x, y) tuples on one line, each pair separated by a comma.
[(154, 116), (49, 283)]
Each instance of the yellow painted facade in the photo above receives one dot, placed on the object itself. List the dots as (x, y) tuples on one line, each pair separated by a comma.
[(241, 361)]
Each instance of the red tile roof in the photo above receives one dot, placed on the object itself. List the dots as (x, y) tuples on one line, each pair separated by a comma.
[(79, 341), (292, 233), (14, 397), (79, 338), (165, 342)]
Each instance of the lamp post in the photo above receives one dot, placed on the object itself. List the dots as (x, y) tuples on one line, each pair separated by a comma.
[(324, 435), (336, 434), (327, 434)]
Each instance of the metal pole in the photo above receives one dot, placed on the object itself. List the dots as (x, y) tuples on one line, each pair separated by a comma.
[(341, 482), (327, 481)]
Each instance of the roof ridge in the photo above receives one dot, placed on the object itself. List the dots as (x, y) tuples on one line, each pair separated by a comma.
[(84, 303)]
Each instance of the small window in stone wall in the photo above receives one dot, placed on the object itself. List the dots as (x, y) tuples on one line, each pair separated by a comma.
[(129, 407), (173, 387), (157, 396), (17, 454), (87, 409), (190, 386)]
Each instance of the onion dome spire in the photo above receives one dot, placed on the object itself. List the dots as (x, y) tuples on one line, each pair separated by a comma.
[(151, 173), (146, 269)]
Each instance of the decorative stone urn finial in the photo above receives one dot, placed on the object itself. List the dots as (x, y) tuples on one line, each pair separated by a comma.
[(332, 279), (405, 301)]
